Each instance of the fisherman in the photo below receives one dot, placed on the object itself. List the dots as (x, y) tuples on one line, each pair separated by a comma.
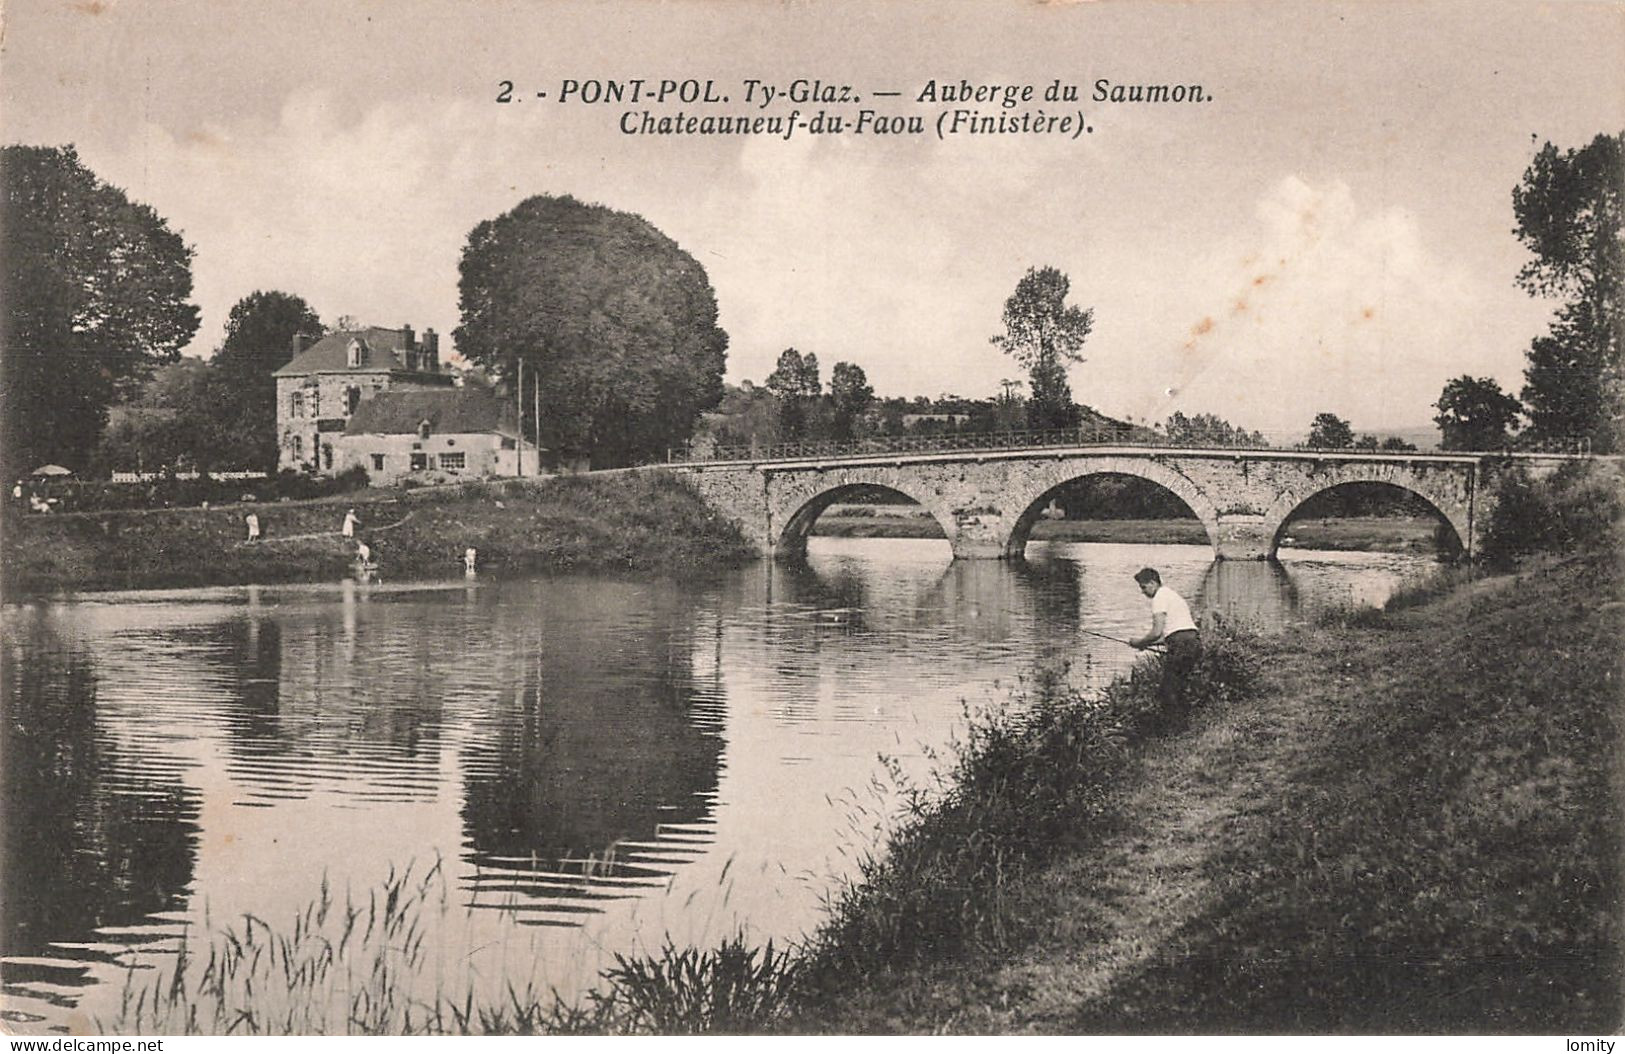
[(363, 555), (1172, 626), (253, 522), (470, 557), (350, 521)]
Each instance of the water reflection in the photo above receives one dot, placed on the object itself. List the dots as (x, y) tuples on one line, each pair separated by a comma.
[(594, 772), (100, 835), (576, 749), (1256, 593)]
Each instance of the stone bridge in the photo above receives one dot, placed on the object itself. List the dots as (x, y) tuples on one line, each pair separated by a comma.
[(986, 502)]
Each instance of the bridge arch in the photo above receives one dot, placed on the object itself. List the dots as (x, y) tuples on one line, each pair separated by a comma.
[(1451, 501), (794, 509), (1030, 499)]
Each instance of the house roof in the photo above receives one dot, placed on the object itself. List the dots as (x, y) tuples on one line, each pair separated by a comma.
[(384, 351), (454, 411)]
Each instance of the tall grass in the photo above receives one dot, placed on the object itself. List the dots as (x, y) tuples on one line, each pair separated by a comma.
[(1022, 784), (367, 966)]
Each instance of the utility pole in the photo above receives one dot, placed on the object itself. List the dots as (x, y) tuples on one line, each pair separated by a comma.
[(519, 399), (536, 389)]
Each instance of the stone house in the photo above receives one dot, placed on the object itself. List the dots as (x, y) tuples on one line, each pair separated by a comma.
[(320, 389), (434, 436)]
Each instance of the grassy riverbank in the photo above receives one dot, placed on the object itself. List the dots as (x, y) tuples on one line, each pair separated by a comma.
[(625, 522), (1371, 533), (1413, 824)]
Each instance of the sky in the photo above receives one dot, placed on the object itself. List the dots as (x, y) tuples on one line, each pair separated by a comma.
[(1329, 230)]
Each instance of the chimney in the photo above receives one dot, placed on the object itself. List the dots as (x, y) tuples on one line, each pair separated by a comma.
[(431, 350), (301, 341), (409, 347)]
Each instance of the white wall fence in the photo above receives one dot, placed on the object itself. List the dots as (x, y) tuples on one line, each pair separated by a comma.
[(148, 477)]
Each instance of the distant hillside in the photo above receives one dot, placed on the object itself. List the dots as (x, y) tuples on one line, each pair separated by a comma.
[(1422, 438)]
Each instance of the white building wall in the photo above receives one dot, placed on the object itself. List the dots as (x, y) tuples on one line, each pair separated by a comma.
[(482, 457)]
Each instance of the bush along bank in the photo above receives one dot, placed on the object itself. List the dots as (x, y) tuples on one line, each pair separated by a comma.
[(636, 521), (1023, 784), (1412, 824)]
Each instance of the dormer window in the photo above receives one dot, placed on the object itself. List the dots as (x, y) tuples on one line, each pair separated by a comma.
[(355, 351), (423, 428)]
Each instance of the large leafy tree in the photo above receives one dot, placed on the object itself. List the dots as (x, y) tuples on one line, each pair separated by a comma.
[(617, 323), (1475, 414), (1570, 209), (796, 384), (259, 340), (1328, 431), (94, 296), (850, 394), (1045, 334)]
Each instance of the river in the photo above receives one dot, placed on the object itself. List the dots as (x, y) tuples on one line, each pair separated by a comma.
[(596, 763)]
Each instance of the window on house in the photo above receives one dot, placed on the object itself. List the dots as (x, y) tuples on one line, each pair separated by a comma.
[(420, 461), (352, 399), (327, 456), (315, 402), (298, 446), (355, 353), (296, 404), (378, 462), (423, 428), (454, 462)]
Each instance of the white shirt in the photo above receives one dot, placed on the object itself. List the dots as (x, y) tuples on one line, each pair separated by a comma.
[(1177, 613)]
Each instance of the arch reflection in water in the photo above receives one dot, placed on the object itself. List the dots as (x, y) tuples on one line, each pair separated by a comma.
[(592, 773), (1258, 594), (100, 840)]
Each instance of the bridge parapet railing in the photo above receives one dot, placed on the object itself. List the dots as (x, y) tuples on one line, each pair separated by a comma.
[(874, 446)]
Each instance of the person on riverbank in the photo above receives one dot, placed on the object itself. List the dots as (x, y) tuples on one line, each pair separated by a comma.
[(1172, 626), (350, 522), (363, 554), (252, 521), (470, 557)]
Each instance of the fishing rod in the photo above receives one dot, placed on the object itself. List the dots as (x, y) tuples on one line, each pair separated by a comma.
[(1114, 640)]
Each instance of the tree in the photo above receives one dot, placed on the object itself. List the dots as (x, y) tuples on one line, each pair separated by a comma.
[(1570, 208), (618, 323), (1045, 335), (1328, 431), (1367, 442), (94, 296), (1397, 445), (1475, 414), (1209, 430), (850, 395), (259, 340), (794, 381), (174, 422)]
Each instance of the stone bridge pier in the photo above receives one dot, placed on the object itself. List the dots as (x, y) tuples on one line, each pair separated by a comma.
[(986, 503)]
